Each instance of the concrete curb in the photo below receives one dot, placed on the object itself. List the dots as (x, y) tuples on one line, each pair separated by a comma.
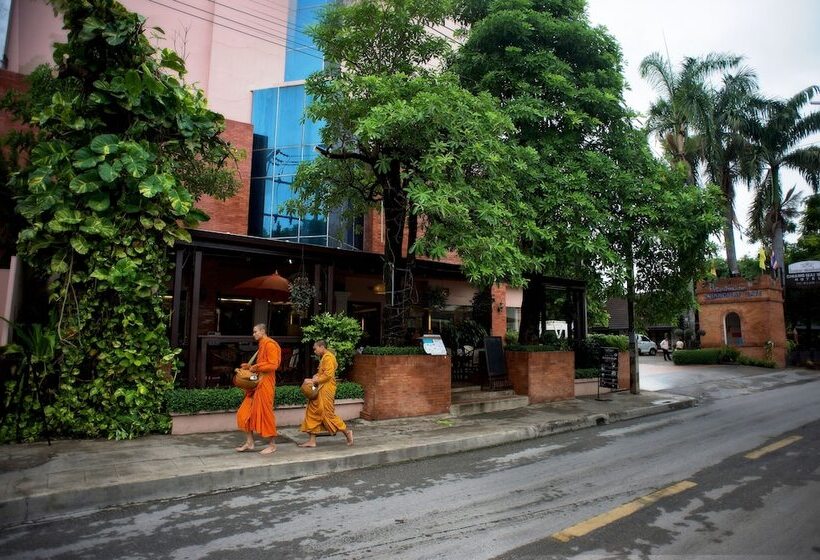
[(45, 505)]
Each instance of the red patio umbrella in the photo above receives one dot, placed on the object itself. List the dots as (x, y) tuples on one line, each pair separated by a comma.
[(271, 287)]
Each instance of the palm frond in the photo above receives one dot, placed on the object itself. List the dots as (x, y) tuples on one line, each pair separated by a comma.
[(807, 162)]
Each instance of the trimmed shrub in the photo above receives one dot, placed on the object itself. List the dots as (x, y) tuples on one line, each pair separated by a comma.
[(747, 361), (587, 373), (537, 347), (229, 398), (702, 356), (392, 350)]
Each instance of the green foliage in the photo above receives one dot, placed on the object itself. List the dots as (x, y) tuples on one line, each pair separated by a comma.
[(403, 136), (587, 373), (122, 149), (749, 361), (392, 350), (588, 351), (26, 391), (511, 337), (702, 356), (558, 347), (188, 401), (340, 332)]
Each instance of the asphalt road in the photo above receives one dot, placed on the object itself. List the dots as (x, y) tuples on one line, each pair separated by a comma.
[(677, 485)]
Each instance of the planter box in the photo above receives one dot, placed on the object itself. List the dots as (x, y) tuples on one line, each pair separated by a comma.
[(225, 421), (403, 386), (542, 376)]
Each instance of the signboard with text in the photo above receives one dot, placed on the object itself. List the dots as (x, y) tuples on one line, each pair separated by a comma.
[(608, 376)]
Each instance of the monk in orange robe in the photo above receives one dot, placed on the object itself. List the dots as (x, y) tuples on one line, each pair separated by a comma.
[(255, 414), (320, 415)]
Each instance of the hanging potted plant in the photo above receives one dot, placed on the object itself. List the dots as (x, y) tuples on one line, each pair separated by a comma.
[(301, 295)]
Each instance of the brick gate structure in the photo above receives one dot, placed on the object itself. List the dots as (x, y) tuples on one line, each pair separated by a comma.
[(745, 314)]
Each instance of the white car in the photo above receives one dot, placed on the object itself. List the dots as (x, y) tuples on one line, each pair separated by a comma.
[(645, 345)]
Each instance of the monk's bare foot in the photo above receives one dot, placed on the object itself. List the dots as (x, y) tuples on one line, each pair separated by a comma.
[(244, 447), (268, 450), (349, 437), (306, 444)]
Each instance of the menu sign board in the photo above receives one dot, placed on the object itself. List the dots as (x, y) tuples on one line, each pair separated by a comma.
[(608, 376)]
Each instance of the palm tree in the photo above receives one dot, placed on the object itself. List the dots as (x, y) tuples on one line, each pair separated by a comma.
[(682, 96), (718, 121), (775, 137)]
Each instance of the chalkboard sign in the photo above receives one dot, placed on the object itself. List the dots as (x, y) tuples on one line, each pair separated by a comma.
[(496, 366), (608, 377)]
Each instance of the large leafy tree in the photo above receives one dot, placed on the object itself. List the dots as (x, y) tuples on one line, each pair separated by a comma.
[(121, 150), (807, 247), (399, 134), (776, 136), (559, 80), (693, 121)]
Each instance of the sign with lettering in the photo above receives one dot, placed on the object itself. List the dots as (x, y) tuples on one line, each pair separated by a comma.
[(802, 279), (433, 345), (608, 376)]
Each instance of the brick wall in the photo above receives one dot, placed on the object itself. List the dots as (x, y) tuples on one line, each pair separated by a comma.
[(758, 303), (542, 376), (623, 370), (231, 216), (403, 386), (499, 310)]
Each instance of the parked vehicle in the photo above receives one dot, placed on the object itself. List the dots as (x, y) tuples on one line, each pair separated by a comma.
[(645, 345)]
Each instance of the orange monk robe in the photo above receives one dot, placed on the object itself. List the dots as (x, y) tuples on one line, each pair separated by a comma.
[(255, 414), (320, 414)]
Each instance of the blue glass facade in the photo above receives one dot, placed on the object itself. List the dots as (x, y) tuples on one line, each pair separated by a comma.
[(281, 141)]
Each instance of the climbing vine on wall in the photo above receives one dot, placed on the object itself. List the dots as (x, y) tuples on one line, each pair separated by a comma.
[(121, 152)]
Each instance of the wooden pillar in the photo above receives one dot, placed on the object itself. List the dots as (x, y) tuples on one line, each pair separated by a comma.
[(177, 305), (194, 375)]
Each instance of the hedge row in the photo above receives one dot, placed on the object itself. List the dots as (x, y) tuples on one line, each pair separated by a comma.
[(725, 355), (392, 350), (229, 398), (536, 348), (587, 373)]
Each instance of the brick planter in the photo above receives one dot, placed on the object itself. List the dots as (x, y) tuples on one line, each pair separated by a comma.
[(403, 386), (542, 376)]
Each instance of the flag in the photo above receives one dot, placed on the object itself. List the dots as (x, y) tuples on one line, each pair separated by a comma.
[(761, 258), (713, 271), (773, 261)]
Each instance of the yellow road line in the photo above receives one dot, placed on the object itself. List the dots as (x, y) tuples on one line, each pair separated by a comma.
[(758, 453), (620, 512)]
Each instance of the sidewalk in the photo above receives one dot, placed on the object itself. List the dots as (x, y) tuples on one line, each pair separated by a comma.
[(38, 481)]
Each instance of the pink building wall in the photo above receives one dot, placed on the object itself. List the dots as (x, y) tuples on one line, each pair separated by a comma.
[(228, 51)]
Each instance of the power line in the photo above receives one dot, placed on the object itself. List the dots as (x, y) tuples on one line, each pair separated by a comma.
[(218, 24), (249, 26)]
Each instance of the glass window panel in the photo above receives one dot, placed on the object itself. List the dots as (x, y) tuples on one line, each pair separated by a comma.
[(263, 113), (287, 160), (262, 141), (314, 225), (262, 163), (291, 108), (261, 199), (285, 227), (284, 192)]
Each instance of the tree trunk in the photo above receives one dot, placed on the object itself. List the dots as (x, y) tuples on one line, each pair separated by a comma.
[(634, 376), (396, 274), (729, 224), (777, 235)]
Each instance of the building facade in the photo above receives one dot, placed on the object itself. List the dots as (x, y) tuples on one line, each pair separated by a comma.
[(251, 59)]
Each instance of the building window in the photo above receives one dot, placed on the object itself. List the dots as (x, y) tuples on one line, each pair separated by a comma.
[(733, 333)]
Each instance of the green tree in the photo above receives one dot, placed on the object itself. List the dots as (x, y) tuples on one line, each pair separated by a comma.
[(121, 150), (776, 135), (807, 247), (559, 80), (402, 136)]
